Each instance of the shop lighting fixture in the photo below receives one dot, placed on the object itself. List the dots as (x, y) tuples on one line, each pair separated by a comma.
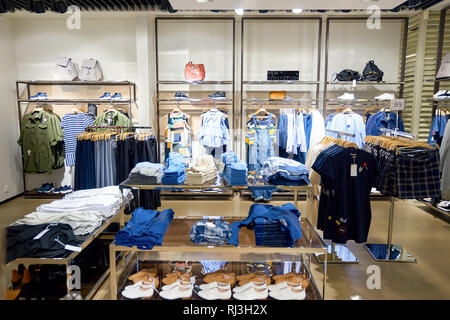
[(297, 10), (239, 11)]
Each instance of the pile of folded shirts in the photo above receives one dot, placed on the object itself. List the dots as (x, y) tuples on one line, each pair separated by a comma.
[(146, 173), (215, 232), (204, 172), (273, 226), (82, 222), (285, 172), (235, 171), (39, 241), (174, 173), (145, 229), (107, 205)]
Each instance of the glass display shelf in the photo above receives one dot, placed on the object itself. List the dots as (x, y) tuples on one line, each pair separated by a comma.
[(193, 82), (365, 83), (177, 246), (264, 82)]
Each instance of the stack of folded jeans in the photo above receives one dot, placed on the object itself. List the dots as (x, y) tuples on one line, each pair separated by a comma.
[(213, 233), (145, 229), (273, 226), (271, 233), (174, 174), (235, 172), (204, 172), (146, 173), (285, 172)]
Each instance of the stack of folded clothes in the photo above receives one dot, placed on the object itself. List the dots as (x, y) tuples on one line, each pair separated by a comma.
[(285, 172), (214, 232), (235, 172), (146, 173), (145, 229), (204, 172), (174, 174), (273, 226)]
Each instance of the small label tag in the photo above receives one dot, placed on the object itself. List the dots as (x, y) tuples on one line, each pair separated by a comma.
[(72, 248), (354, 83), (353, 170), (210, 224), (29, 152), (40, 234)]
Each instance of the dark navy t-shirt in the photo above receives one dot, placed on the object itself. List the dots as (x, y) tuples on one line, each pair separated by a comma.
[(346, 212)]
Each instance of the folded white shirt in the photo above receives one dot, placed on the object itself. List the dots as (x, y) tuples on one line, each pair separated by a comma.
[(108, 205), (106, 191), (82, 222)]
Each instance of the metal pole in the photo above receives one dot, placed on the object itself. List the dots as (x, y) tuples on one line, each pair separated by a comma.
[(324, 276), (296, 198), (112, 268), (390, 227)]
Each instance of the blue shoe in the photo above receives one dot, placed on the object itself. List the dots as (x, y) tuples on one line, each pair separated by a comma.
[(117, 97), (36, 96), (66, 189), (180, 95), (57, 190), (48, 188), (106, 96), (41, 189), (43, 96), (219, 95)]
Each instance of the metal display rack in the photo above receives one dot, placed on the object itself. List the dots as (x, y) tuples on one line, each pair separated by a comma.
[(25, 86), (68, 260), (177, 246)]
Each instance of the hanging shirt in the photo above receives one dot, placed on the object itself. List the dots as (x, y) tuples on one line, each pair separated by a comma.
[(445, 163), (348, 175), (437, 129), (213, 133), (178, 135), (383, 119), (349, 123), (112, 118), (73, 125)]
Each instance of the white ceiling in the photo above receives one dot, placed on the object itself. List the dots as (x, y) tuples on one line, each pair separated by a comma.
[(281, 4)]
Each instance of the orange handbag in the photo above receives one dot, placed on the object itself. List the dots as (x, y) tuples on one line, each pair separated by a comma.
[(194, 72), (277, 95)]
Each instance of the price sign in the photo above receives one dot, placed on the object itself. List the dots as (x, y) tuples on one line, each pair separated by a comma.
[(397, 104)]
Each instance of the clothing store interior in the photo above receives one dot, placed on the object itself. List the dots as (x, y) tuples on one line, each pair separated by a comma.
[(225, 150)]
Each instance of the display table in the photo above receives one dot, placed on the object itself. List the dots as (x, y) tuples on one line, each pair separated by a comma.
[(177, 246)]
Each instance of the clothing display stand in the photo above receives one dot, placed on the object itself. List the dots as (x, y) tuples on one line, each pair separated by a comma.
[(338, 253), (378, 250), (177, 246), (25, 89)]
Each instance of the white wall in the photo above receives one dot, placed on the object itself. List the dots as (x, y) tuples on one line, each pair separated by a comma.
[(10, 155)]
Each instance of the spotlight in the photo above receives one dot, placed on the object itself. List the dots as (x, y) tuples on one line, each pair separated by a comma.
[(297, 10), (239, 11)]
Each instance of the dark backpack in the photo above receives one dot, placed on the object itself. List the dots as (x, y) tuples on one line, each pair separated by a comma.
[(372, 73), (347, 75)]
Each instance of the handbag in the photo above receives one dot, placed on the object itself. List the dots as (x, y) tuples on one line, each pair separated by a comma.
[(372, 73), (277, 95), (90, 70), (194, 72), (347, 75), (65, 69)]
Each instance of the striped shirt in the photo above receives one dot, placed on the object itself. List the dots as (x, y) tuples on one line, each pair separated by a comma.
[(73, 124)]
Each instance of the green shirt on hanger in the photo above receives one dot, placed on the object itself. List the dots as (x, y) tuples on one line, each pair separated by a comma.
[(112, 118)]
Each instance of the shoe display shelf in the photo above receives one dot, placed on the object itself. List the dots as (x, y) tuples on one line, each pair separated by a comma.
[(177, 246), (26, 88), (88, 286)]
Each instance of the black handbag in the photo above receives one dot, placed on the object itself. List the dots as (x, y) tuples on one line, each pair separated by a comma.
[(372, 73), (347, 75)]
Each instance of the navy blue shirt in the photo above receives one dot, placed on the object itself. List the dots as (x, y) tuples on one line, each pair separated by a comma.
[(344, 208), (383, 119)]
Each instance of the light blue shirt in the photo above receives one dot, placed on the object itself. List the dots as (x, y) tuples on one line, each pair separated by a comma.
[(349, 123), (213, 132)]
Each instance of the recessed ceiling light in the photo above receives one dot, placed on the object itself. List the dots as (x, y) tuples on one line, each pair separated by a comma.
[(239, 11), (203, 1), (297, 10)]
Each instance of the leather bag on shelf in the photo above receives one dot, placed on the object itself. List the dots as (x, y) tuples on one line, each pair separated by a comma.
[(90, 70), (194, 72), (277, 95), (65, 69)]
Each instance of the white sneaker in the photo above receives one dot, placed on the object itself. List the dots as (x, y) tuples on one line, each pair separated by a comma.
[(258, 285), (347, 96), (278, 286), (441, 95), (139, 291), (211, 285), (385, 96), (251, 294), (181, 291), (289, 293), (216, 293)]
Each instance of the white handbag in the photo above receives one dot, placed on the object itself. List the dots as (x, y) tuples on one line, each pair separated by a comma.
[(90, 70), (65, 69), (444, 69)]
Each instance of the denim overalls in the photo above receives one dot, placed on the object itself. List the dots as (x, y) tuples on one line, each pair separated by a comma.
[(261, 149)]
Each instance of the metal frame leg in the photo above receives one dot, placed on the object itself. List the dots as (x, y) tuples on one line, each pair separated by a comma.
[(112, 268)]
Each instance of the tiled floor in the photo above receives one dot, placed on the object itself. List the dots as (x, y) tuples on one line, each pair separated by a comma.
[(425, 236)]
